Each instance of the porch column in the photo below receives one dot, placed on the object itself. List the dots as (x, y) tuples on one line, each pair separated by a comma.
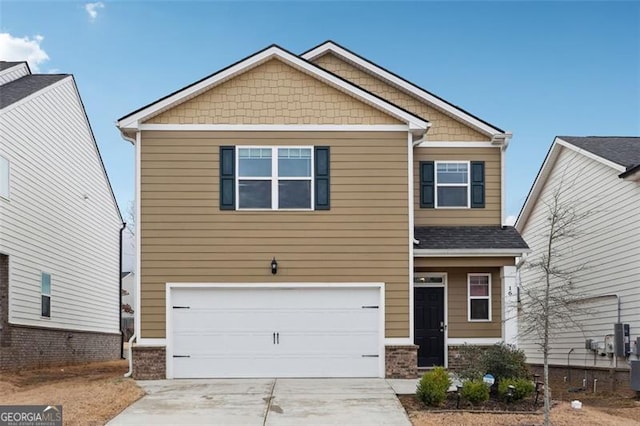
[(509, 305)]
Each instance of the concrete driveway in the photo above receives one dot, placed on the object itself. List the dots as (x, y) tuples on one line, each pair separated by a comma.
[(266, 402)]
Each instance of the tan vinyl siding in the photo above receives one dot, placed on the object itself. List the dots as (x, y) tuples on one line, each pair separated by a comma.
[(491, 214), (273, 93), (187, 238), (458, 324), (443, 126)]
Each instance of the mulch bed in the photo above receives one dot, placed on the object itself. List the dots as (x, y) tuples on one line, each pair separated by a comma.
[(493, 405)]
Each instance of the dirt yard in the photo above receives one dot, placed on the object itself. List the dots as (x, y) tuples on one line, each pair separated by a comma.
[(90, 394), (602, 409)]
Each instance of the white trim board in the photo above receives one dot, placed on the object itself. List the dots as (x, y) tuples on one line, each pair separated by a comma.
[(458, 144), (485, 341), (469, 252), (277, 127), (131, 121), (396, 81)]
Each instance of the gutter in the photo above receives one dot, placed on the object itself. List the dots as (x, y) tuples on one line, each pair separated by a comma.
[(124, 225)]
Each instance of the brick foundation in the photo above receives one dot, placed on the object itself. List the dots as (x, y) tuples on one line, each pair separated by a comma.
[(609, 379), (401, 362), (149, 363)]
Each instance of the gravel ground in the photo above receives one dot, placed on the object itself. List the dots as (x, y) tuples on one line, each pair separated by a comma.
[(90, 394)]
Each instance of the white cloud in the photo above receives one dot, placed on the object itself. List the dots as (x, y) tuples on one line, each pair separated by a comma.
[(92, 10), (23, 49), (511, 220)]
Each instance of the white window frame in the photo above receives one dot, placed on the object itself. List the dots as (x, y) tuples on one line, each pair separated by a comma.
[(6, 196), (42, 274), (458, 185), (274, 178), (469, 297)]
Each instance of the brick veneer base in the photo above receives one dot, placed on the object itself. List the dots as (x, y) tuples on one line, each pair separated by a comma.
[(454, 361), (149, 363), (609, 379), (32, 347), (401, 362)]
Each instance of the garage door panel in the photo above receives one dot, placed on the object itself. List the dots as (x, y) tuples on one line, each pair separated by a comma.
[(321, 332)]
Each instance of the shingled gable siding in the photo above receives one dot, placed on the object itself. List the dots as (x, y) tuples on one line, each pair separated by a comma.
[(491, 214), (443, 127), (273, 93), (458, 324), (187, 238)]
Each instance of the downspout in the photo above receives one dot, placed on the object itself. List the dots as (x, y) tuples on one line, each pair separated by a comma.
[(124, 225)]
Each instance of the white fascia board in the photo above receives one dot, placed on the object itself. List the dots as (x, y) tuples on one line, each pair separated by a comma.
[(457, 144), (477, 341), (469, 252), (278, 127), (591, 155), (36, 94), (131, 121), (396, 81), (538, 185)]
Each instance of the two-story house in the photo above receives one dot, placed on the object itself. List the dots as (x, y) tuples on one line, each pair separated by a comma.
[(315, 215), (59, 227)]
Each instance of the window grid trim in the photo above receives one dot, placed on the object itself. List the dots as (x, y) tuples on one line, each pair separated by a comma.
[(274, 178), (436, 184), (469, 297)]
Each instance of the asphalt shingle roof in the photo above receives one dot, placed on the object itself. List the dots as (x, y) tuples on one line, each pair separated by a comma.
[(18, 89), (622, 150), (468, 237), (4, 65)]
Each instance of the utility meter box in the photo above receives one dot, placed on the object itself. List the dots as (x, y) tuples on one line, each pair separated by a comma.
[(587, 344), (634, 376), (622, 339), (609, 341)]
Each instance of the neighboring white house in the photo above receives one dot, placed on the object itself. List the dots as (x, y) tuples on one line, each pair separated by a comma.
[(59, 227), (600, 178)]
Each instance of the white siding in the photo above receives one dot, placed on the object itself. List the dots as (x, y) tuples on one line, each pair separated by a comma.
[(61, 217), (13, 73), (607, 245)]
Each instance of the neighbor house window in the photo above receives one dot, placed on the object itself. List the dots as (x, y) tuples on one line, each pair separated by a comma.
[(479, 291), (275, 178), (45, 290), (4, 177), (452, 184)]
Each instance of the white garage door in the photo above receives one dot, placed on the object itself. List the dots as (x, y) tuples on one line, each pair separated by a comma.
[(275, 332)]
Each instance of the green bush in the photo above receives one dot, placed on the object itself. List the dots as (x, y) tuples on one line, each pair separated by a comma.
[(432, 389), (501, 361), (475, 391), (522, 388)]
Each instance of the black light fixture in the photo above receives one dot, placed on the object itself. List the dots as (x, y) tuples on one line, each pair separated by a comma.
[(274, 266)]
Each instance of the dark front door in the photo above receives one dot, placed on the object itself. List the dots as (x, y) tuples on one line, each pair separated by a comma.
[(429, 325)]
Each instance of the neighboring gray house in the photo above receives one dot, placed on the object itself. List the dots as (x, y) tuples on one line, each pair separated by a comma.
[(59, 227), (599, 176)]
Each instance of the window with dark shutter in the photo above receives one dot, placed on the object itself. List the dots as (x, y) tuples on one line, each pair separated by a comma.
[(426, 185), (227, 178), (322, 178), (477, 185)]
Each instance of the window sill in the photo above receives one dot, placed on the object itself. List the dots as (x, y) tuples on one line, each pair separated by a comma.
[(274, 210), (479, 320)]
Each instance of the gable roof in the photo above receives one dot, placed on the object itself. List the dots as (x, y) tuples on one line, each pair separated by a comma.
[(621, 153), (19, 89), (403, 84), (469, 238), (5, 65), (132, 120)]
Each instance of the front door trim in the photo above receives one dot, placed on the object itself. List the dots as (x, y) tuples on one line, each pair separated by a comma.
[(444, 285)]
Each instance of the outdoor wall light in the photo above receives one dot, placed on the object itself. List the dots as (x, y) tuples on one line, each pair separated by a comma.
[(274, 266)]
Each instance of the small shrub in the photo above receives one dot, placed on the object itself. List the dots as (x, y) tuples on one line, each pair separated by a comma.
[(432, 389), (471, 361), (475, 391), (522, 388), (505, 361)]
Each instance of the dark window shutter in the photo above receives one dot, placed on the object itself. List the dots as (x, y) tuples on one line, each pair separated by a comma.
[(427, 185), (477, 184), (322, 178), (227, 178)]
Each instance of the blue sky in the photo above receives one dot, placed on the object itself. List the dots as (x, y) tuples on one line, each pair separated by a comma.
[(537, 69)]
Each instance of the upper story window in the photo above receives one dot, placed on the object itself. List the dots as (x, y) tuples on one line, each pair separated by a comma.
[(4, 177), (452, 184), (275, 178), (45, 295), (479, 292)]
